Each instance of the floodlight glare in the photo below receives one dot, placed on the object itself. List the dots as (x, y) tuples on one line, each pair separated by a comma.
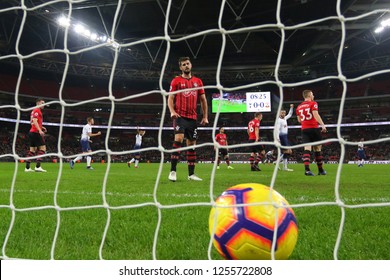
[(83, 30), (63, 21), (79, 28), (87, 33), (385, 22), (379, 29)]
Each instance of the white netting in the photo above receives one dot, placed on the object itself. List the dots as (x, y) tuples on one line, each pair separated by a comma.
[(26, 9)]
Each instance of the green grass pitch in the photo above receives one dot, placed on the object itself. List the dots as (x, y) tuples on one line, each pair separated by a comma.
[(228, 106), (183, 232)]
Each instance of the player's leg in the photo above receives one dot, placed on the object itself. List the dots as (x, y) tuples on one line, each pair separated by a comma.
[(227, 160), (73, 161), (319, 159), (89, 160), (191, 133), (286, 152), (177, 143), (89, 157), (84, 148), (34, 142), (252, 160), (132, 160), (41, 152), (218, 158), (252, 155), (136, 160), (286, 157), (307, 138), (363, 158), (306, 160), (317, 152), (191, 158), (30, 153), (40, 141), (259, 155), (281, 159)]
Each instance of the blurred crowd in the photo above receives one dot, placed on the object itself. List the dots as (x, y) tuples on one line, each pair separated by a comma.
[(119, 141)]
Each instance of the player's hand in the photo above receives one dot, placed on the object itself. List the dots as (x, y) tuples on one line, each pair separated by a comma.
[(42, 133), (324, 130), (90, 141), (204, 121), (99, 133), (291, 105), (44, 129), (174, 115)]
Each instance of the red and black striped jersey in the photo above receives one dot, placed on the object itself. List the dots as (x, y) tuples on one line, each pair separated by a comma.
[(186, 101), (36, 114)]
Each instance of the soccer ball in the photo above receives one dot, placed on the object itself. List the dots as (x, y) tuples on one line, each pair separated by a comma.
[(246, 232)]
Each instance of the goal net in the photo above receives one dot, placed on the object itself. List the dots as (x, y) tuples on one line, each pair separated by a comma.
[(117, 213)]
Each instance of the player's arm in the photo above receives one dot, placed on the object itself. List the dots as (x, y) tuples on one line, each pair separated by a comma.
[(171, 106), (290, 112), (257, 134), (319, 120), (203, 104), (90, 134), (40, 130)]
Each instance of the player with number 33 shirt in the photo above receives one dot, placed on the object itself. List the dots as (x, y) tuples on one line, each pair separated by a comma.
[(309, 118)]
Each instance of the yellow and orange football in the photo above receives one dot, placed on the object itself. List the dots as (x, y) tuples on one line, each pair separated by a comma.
[(244, 221)]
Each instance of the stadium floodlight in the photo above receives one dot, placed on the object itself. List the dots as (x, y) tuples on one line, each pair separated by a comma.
[(93, 36), (84, 31), (63, 21), (385, 23), (379, 29), (87, 33), (103, 38), (78, 28)]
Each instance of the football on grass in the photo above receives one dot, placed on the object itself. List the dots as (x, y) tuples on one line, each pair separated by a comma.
[(245, 220)]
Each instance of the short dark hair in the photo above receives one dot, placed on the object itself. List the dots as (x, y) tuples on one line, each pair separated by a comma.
[(38, 100), (89, 119), (183, 58), (257, 114)]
